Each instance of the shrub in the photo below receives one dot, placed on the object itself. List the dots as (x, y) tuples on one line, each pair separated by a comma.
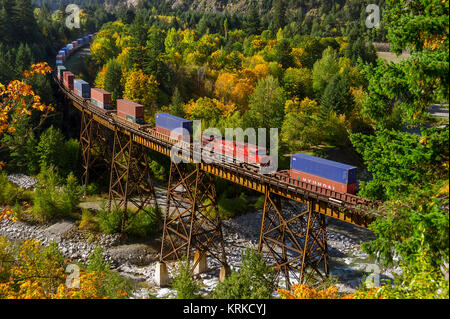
[(71, 193), (259, 204), (88, 221), (8, 192), (53, 150), (144, 223), (53, 200), (112, 282), (254, 280), (183, 282), (109, 221), (91, 189), (229, 207)]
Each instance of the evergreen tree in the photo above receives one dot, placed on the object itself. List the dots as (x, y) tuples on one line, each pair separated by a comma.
[(252, 23), (24, 59), (177, 104), (24, 22), (337, 96), (279, 16), (113, 80)]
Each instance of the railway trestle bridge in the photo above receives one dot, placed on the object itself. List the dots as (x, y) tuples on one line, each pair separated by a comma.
[(295, 243)]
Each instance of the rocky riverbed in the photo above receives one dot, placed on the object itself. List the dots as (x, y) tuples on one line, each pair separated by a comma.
[(137, 260), (348, 263)]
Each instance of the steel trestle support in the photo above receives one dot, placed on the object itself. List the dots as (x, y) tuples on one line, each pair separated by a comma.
[(95, 147), (191, 221), (294, 241), (130, 178)]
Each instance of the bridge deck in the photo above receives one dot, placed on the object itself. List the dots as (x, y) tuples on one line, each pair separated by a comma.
[(346, 207)]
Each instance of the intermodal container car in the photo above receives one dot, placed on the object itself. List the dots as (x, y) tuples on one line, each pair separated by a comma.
[(130, 111), (81, 88), (323, 173), (172, 125), (101, 98)]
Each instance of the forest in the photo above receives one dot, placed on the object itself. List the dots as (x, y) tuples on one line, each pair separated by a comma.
[(309, 68)]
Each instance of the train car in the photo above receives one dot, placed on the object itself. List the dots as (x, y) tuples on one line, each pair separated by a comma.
[(101, 98), (323, 173), (81, 88), (174, 126), (59, 71), (68, 78), (130, 111)]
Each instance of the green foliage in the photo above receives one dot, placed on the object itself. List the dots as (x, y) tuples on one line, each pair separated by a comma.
[(54, 150), (418, 221), (324, 69), (266, 105), (400, 161), (140, 224), (337, 97), (259, 204), (88, 221), (230, 207), (412, 84), (254, 280), (8, 192), (298, 83), (113, 281), (144, 223), (113, 80), (53, 199), (183, 282), (109, 221)]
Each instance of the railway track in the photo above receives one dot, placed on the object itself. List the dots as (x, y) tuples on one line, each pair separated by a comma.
[(355, 206)]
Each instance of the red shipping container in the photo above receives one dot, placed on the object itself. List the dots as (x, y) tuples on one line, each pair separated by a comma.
[(101, 96), (323, 182), (130, 108), (59, 57), (68, 78)]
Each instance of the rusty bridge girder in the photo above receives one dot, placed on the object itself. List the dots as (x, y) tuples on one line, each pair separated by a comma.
[(295, 243), (192, 221), (95, 147), (130, 178)]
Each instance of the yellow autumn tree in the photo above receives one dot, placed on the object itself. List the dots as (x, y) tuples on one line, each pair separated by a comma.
[(100, 79), (207, 109), (17, 99), (302, 291), (142, 89)]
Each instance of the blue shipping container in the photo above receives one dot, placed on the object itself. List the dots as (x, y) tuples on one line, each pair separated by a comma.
[(82, 87), (172, 122), (331, 170), (80, 41)]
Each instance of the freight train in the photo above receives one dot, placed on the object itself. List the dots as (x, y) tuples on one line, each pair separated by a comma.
[(325, 174)]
